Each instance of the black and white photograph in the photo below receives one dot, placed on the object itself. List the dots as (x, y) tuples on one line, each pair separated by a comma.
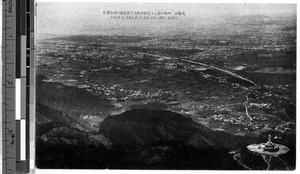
[(185, 86)]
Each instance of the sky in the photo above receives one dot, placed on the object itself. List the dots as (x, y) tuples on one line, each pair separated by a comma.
[(88, 18)]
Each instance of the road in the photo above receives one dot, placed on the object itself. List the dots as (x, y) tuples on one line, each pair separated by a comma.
[(219, 69), (245, 104), (229, 73)]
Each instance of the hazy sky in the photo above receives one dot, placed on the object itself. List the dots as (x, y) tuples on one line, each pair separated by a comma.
[(88, 18)]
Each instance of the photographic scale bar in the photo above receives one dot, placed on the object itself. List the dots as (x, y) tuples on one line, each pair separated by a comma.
[(18, 85)]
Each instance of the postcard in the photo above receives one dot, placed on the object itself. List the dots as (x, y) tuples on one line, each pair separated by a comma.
[(187, 86)]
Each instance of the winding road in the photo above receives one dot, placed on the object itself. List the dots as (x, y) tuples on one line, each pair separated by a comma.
[(245, 104), (229, 73)]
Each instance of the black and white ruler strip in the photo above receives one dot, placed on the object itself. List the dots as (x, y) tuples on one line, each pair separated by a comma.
[(18, 85), (9, 87)]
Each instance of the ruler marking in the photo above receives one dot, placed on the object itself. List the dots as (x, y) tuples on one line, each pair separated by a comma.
[(8, 125), (19, 20)]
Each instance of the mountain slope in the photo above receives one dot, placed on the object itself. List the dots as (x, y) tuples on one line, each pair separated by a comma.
[(139, 139), (71, 100), (45, 114), (139, 127)]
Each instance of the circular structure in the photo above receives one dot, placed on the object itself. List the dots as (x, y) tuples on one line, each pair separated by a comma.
[(268, 148)]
